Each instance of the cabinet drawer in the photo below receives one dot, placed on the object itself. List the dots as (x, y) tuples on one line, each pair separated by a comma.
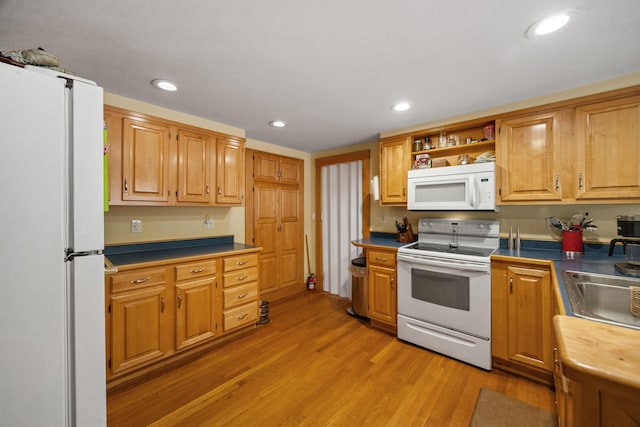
[(387, 259), (241, 261), (240, 277), (196, 269), (240, 295), (240, 316), (138, 279)]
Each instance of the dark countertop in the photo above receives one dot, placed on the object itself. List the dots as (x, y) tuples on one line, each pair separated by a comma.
[(141, 253), (595, 258)]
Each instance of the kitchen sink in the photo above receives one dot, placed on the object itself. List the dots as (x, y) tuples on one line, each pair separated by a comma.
[(601, 297)]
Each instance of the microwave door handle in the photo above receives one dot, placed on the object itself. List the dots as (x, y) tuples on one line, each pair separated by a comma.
[(473, 190)]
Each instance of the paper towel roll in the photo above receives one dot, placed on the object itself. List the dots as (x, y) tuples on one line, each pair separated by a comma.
[(375, 188)]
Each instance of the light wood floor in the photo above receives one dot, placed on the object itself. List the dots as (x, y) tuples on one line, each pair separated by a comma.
[(313, 365)]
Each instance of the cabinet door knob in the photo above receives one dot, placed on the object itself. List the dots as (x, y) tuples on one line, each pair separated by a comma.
[(162, 305), (179, 300), (557, 182), (510, 285), (126, 185)]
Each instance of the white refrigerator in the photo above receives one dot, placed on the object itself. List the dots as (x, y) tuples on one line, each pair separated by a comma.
[(52, 357)]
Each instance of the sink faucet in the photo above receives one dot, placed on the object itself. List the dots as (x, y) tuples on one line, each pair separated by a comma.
[(454, 235)]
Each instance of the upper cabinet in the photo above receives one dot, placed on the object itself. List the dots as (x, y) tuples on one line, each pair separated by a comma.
[(145, 161), (195, 165), (153, 161), (583, 150), (395, 161), (608, 150), (230, 172), (529, 159)]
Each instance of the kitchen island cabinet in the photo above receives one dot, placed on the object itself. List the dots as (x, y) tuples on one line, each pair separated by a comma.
[(597, 368), (521, 313)]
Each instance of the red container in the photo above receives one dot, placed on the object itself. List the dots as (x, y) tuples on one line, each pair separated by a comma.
[(572, 241)]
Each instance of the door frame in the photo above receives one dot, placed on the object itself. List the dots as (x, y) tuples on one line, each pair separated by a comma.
[(365, 157)]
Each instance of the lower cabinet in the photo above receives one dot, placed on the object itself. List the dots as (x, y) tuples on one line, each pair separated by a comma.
[(383, 292), (240, 285), (521, 319), (141, 330), (196, 307), (158, 312)]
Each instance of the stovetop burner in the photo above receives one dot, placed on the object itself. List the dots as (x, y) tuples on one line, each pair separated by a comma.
[(628, 269), (445, 248)]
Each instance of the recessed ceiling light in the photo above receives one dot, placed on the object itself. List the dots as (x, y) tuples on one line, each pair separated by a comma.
[(401, 106), (278, 123), (164, 85), (550, 23)]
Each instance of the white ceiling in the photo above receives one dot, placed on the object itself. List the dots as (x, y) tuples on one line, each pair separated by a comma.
[(331, 69)]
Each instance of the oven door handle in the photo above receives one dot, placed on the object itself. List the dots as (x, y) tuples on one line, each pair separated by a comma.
[(452, 264)]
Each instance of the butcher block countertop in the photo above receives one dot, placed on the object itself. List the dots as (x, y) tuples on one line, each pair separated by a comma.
[(597, 352)]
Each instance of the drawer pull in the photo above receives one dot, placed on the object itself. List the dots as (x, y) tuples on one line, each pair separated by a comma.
[(198, 270), (138, 281), (242, 316), (241, 262), (242, 278), (241, 296), (380, 259)]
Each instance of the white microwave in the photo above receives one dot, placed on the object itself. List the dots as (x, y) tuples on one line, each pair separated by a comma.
[(453, 188)]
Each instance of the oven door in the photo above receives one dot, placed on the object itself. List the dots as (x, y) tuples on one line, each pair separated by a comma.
[(454, 294)]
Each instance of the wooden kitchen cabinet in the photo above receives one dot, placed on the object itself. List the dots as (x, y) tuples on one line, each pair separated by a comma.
[(240, 290), (158, 162), (140, 314), (230, 172), (588, 152), (196, 303), (274, 221), (597, 381), (608, 150), (383, 292), (395, 162), (529, 159), (145, 162), (521, 313), (195, 166)]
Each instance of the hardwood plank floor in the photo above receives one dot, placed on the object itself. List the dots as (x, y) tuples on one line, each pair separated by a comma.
[(314, 365)]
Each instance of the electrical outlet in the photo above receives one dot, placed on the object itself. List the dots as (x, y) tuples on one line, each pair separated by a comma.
[(549, 225), (136, 226), (208, 223)]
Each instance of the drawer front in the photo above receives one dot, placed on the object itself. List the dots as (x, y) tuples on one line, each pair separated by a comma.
[(240, 295), (196, 269), (240, 316), (387, 259), (138, 279), (241, 261), (240, 277)]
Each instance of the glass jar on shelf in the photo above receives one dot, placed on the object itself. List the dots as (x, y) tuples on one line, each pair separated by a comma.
[(442, 141)]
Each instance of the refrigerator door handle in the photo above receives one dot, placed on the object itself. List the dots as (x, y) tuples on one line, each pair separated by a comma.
[(71, 254)]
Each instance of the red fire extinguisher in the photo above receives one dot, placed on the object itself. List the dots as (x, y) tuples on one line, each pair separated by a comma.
[(311, 282), (311, 279)]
